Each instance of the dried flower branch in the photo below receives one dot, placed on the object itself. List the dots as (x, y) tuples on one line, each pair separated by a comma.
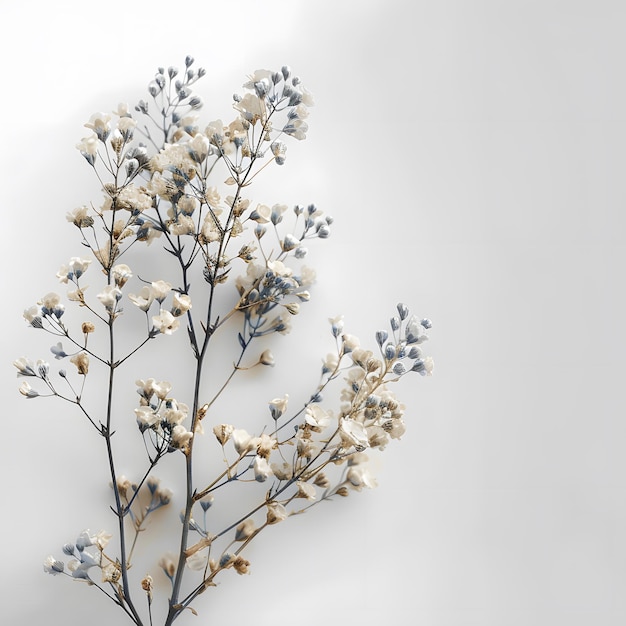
[(160, 171)]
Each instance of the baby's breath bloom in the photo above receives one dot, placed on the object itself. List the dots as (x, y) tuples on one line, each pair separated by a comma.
[(181, 437), (181, 303), (168, 564), (359, 476), (278, 406), (50, 303), (241, 566), (74, 270), (252, 108), (99, 123), (223, 432), (160, 290), (242, 440), (145, 298), (306, 490), (109, 297), (353, 433), (81, 361), (52, 566), (262, 469), (316, 417), (146, 417), (261, 214), (25, 367), (176, 413), (27, 391), (267, 358), (134, 198), (120, 274), (33, 316), (88, 147), (165, 322), (79, 217), (276, 512)]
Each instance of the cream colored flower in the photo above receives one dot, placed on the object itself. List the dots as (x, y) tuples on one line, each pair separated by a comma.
[(359, 476), (262, 214), (109, 297), (223, 432), (99, 123), (262, 469), (146, 417), (242, 440), (81, 361), (160, 290), (276, 512), (184, 225), (165, 322), (278, 406), (177, 413), (120, 274), (306, 490), (181, 303), (265, 445), (88, 147), (353, 433), (145, 298), (181, 437), (252, 108), (316, 417)]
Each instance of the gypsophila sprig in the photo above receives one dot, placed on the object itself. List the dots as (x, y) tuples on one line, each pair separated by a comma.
[(236, 264)]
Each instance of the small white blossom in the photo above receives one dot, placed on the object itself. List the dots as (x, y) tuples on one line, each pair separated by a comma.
[(146, 417), (242, 440), (165, 322), (262, 469), (74, 270), (353, 433), (88, 147), (181, 436), (359, 476), (52, 566), (27, 391), (109, 297), (120, 274), (276, 512), (306, 490), (145, 298), (278, 406), (181, 303), (316, 417), (160, 290), (99, 123)]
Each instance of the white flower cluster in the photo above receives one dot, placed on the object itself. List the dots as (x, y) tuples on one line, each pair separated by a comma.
[(162, 417)]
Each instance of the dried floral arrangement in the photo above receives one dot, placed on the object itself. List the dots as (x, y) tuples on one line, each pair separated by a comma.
[(239, 268)]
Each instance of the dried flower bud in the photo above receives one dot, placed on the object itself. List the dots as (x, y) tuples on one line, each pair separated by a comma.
[(88, 327), (223, 432), (267, 358), (245, 530), (321, 480), (241, 565), (81, 360), (146, 585)]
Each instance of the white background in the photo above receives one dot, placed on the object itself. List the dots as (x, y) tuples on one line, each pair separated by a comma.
[(473, 155)]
